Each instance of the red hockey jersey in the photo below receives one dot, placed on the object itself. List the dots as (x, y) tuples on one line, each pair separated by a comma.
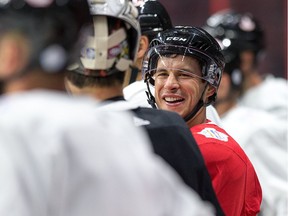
[(233, 176)]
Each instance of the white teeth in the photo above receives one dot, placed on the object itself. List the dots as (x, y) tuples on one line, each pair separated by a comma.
[(171, 99)]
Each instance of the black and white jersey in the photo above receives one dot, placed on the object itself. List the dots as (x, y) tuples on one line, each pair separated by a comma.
[(172, 140)]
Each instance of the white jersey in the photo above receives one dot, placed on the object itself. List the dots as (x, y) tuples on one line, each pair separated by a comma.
[(271, 95), (59, 156), (136, 94), (264, 139)]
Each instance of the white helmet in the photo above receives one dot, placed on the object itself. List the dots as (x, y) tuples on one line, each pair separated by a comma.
[(113, 45)]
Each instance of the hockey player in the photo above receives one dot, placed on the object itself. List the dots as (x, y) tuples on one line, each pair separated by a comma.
[(262, 135), (110, 51), (243, 43), (185, 66)]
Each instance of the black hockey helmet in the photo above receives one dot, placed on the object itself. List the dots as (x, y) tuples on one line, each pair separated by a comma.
[(52, 26), (153, 17), (236, 32), (187, 41)]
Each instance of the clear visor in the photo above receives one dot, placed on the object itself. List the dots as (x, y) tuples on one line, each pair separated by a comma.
[(162, 73)]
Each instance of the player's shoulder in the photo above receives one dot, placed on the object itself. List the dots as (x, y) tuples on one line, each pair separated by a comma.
[(157, 115), (210, 132), (47, 109), (160, 112), (214, 140), (214, 136)]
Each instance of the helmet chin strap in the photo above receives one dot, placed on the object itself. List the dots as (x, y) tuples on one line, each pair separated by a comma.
[(194, 111), (150, 97), (197, 107)]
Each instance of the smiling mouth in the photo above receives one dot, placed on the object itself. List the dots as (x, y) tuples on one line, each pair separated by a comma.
[(173, 99)]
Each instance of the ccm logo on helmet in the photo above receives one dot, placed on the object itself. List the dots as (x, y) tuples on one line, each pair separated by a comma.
[(176, 39)]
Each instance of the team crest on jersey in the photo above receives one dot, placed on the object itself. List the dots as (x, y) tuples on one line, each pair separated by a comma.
[(140, 122), (214, 134)]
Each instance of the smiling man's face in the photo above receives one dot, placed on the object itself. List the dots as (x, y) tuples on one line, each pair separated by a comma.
[(178, 84)]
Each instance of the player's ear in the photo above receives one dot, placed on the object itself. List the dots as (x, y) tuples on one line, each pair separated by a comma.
[(143, 46), (210, 91), (14, 54)]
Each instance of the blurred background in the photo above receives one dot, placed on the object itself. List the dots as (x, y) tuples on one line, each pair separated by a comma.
[(271, 13)]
